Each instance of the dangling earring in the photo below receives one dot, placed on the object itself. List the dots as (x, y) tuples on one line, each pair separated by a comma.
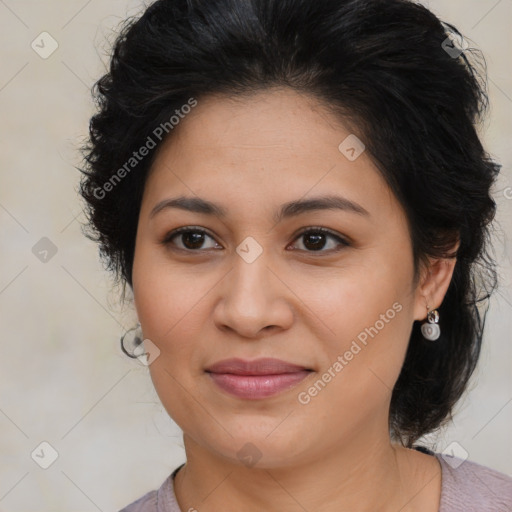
[(430, 328), (131, 341)]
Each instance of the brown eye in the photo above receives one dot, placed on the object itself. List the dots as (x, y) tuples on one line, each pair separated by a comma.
[(192, 239), (316, 239)]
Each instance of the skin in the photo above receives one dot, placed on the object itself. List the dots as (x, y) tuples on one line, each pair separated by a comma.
[(304, 306)]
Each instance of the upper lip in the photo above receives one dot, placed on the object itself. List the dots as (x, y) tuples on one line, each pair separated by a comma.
[(263, 366)]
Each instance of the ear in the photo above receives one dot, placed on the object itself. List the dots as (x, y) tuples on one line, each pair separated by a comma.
[(433, 285)]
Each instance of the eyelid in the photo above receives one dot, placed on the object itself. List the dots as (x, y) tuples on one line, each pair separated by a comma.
[(321, 229)]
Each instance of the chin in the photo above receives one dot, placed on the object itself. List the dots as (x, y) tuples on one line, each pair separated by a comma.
[(258, 450)]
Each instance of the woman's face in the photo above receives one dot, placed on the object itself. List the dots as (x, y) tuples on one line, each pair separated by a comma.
[(254, 287)]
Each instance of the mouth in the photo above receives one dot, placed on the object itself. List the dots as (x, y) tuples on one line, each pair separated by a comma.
[(258, 379)]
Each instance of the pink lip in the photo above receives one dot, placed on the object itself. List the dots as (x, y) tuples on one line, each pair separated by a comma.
[(256, 379)]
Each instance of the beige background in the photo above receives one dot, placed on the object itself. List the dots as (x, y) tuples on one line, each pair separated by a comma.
[(63, 377)]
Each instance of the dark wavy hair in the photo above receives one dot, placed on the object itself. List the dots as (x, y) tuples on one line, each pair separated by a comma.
[(389, 71)]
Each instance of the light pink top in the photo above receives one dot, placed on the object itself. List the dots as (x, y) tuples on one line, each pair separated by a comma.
[(468, 487)]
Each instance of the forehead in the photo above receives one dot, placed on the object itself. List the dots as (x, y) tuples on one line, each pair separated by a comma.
[(271, 146), (263, 122)]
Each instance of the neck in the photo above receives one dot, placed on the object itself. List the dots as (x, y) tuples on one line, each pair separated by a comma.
[(363, 476)]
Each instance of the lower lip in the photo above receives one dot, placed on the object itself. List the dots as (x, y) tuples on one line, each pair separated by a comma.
[(254, 387)]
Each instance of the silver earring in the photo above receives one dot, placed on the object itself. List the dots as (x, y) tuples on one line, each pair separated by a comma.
[(430, 328), (131, 342)]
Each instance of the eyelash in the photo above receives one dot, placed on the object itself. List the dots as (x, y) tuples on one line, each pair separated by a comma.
[(191, 229)]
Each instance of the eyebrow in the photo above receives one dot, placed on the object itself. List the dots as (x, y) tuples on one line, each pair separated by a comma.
[(291, 209)]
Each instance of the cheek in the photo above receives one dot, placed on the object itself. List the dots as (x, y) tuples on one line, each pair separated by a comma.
[(368, 318), (349, 300), (172, 309), (160, 290)]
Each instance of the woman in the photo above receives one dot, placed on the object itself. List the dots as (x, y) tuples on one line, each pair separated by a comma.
[(296, 195)]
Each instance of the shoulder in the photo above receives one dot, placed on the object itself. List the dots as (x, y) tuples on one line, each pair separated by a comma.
[(163, 499), (146, 503), (468, 486)]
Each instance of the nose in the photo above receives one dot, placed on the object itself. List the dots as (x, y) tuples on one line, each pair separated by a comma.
[(253, 300)]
